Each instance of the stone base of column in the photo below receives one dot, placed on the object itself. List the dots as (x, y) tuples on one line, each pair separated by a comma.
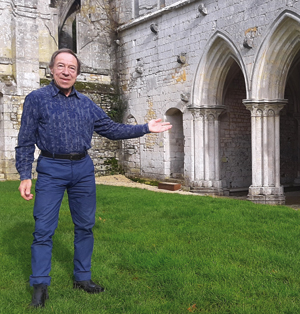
[(207, 191), (266, 195), (207, 188)]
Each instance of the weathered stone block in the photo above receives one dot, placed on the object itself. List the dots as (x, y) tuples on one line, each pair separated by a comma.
[(169, 186)]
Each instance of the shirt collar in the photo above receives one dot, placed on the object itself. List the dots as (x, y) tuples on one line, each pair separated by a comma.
[(56, 90)]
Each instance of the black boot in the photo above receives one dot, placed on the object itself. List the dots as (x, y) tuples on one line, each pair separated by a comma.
[(40, 295), (88, 286)]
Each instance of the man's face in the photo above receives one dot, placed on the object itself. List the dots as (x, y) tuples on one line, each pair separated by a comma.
[(64, 72)]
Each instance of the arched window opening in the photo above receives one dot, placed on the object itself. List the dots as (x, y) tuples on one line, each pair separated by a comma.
[(68, 31)]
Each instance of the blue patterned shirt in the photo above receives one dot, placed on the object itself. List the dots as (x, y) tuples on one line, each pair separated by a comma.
[(63, 125)]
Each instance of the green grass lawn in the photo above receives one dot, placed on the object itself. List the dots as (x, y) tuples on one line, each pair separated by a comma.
[(160, 253)]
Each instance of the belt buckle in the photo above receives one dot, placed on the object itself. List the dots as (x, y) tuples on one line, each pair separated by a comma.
[(73, 156)]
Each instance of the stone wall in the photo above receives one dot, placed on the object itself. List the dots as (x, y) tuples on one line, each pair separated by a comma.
[(31, 31), (235, 137), (105, 153), (205, 61), (227, 67), (130, 160)]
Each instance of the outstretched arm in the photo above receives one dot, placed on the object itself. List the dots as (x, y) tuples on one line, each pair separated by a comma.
[(156, 126)]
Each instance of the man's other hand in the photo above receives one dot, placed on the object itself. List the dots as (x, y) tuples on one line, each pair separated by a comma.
[(25, 188)]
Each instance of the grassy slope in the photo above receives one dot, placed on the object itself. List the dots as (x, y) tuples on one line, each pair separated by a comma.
[(160, 253)]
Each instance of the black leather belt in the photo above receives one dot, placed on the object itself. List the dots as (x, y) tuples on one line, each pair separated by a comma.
[(72, 156)]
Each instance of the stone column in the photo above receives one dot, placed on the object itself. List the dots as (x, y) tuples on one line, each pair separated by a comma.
[(206, 151), (25, 46), (265, 139), (24, 56)]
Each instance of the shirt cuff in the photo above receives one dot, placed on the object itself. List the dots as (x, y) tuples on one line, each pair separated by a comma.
[(146, 128), (25, 177)]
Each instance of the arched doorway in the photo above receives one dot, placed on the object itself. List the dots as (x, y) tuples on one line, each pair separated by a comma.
[(235, 134), (289, 128), (213, 94), (175, 143), (274, 110)]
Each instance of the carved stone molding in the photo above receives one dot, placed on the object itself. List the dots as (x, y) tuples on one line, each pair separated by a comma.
[(265, 108), (197, 116), (207, 113)]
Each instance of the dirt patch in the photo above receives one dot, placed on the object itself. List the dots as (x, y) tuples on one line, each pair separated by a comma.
[(120, 180), (292, 198)]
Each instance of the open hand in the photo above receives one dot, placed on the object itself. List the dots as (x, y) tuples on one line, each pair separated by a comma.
[(156, 126)]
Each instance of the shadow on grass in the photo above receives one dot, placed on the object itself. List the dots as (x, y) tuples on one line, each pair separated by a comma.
[(16, 244), (62, 259)]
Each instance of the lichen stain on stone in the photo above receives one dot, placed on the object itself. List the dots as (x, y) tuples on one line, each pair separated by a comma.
[(251, 29), (85, 10), (125, 87), (151, 114), (7, 79), (179, 75), (151, 138)]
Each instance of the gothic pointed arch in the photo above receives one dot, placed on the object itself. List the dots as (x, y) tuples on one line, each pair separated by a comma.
[(220, 120), (67, 24), (275, 57), (213, 69), (67, 7)]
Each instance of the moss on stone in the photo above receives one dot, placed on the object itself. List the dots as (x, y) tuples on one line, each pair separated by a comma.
[(87, 87), (144, 181), (45, 82), (116, 108), (95, 87), (7, 78), (113, 166)]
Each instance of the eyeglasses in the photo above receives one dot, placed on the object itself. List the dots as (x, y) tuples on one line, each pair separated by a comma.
[(62, 67)]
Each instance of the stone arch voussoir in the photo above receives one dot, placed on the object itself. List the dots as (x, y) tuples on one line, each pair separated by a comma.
[(221, 54), (275, 57)]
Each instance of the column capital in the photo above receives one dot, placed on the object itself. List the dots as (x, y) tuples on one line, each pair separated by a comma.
[(201, 113), (264, 108)]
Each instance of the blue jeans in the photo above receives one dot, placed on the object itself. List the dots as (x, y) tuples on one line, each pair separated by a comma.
[(55, 176)]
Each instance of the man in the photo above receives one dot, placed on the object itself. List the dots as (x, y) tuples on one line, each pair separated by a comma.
[(61, 122)]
